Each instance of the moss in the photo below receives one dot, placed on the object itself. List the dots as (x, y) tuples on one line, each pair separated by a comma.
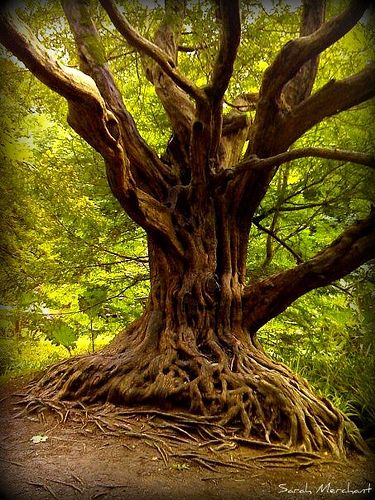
[(92, 42), (95, 48)]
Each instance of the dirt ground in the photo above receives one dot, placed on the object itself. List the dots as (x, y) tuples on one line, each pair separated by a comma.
[(79, 461)]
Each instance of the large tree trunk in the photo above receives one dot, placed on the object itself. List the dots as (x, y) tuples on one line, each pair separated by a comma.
[(190, 349)]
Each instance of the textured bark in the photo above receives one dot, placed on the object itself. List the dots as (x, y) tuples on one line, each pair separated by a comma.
[(195, 344)]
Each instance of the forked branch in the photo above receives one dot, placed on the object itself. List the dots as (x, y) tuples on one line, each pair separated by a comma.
[(268, 298), (299, 88), (176, 102), (90, 51), (333, 98), (148, 170), (151, 50), (70, 83), (94, 122), (292, 57)]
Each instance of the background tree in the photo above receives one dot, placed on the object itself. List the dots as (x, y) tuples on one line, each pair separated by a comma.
[(196, 343)]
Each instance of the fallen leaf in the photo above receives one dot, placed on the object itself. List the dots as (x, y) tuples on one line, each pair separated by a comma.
[(39, 439)]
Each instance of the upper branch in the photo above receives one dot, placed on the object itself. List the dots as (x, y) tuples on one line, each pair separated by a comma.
[(72, 84), (94, 122), (268, 298), (175, 101), (90, 51), (294, 154), (332, 98), (148, 170), (299, 88), (229, 42), (151, 50), (291, 58)]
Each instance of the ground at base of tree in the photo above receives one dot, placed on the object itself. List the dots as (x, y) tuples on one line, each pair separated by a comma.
[(80, 461)]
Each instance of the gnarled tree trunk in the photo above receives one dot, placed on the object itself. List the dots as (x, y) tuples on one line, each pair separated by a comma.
[(191, 348)]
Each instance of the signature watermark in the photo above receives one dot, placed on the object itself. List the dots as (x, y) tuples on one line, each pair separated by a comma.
[(348, 489)]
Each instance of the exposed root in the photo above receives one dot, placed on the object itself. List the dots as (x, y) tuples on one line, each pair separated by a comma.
[(265, 403), (174, 435)]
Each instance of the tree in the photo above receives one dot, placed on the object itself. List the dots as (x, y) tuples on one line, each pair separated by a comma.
[(195, 345)]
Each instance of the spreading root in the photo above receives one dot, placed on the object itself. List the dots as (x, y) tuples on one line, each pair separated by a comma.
[(237, 397), (177, 438)]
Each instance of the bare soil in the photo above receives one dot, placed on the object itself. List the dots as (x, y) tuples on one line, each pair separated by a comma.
[(81, 461)]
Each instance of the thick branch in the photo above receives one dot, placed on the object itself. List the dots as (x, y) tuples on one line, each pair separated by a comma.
[(90, 51), (290, 59), (229, 42), (151, 50), (334, 97), (148, 170), (235, 128), (68, 82), (176, 102), (90, 118), (229, 14), (268, 298), (299, 88)]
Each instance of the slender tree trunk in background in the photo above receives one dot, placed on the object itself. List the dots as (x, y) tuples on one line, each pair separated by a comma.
[(92, 336)]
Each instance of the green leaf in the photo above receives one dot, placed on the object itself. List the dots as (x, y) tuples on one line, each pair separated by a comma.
[(92, 300), (59, 333)]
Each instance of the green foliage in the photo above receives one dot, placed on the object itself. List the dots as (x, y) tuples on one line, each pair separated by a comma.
[(91, 301), (59, 333)]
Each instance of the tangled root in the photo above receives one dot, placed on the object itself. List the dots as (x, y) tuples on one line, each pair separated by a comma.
[(257, 399)]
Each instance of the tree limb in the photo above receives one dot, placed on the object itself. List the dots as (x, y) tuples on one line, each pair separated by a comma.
[(151, 50), (176, 102), (149, 171), (331, 99), (235, 128), (290, 59), (294, 154), (70, 83), (266, 299), (90, 118), (299, 87), (90, 51), (229, 15), (229, 43)]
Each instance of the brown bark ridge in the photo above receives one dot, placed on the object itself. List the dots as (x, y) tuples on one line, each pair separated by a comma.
[(195, 345)]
